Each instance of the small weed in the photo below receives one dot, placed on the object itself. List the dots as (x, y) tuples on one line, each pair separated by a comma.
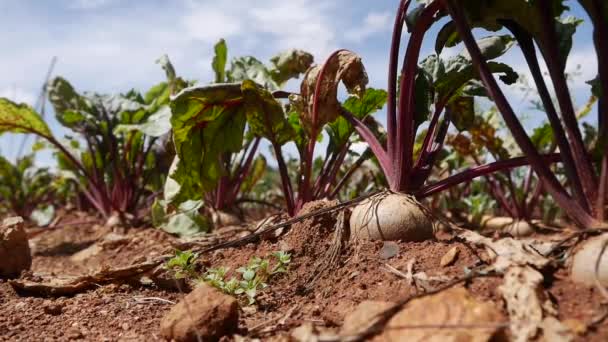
[(253, 277), (182, 264)]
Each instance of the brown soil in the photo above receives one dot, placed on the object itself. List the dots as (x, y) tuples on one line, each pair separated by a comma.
[(132, 312)]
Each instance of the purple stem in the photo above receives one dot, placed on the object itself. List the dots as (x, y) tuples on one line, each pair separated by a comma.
[(367, 135), (572, 207), (556, 71), (287, 190), (242, 172), (405, 118), (305, 186), (391, 105), (472, 173)]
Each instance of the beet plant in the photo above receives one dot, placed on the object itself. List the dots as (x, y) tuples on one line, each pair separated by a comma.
[(539, 26), (25, 190), (252, 109), (435, 90), (115, 166)]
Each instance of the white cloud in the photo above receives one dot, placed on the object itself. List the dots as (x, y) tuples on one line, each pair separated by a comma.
[(89, 4), (209, 24), (18, 95), (372, 24)]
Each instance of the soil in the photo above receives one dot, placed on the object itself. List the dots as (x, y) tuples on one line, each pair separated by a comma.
[(312, 291)]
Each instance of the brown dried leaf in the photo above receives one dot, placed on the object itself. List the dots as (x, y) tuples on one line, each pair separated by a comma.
[(509, 252), (455, 316), (449, 257), (342, 66), (72, 285), (529, 307)]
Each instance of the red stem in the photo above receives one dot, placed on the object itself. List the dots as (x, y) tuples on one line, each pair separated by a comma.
[(391, 103), (572, 207), (287, 190), (367, 135), (472, 173), (405, 118), (305, 186), (550, 52)]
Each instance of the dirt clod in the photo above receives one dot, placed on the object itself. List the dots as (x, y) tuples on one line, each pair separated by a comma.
[(204, 314), (52, 308), (15, 254)]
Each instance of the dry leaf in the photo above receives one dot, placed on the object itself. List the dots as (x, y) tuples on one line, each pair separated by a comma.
[(343, 66), (455, 316), (509, 252), (68, 286), (449, 257)]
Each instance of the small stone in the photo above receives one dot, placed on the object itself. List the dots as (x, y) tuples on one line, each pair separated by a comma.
[(74, 334), (449, 257), (20, 306), (51, 308), (389, 250), (576, 326), (204, 314), (15, 255), (125, 326)]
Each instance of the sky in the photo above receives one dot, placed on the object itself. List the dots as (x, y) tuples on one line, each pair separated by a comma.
[(111, 46)]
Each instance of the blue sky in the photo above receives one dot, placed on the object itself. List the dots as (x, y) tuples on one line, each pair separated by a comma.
[(111, 45)]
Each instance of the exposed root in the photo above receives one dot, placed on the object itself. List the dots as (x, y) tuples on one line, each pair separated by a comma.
[(329, 261)]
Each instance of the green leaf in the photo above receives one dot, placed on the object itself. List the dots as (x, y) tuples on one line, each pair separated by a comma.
[(372, 100), (187, 221), (596, 86), (300, 136), (249, 68), (156, 125), (43, 216), (289, 64), (219, 61), (462, 112), (159, 93), (64, 98), (423, 98), (165, 63), (340, 129), (207, 122), (565, 29), (459, 72), (255, 174), (493, 46), (542, 137), (21, 118), (447, 37), (265, 114)]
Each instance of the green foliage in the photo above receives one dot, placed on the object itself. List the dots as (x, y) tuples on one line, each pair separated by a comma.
[(283, 67), (478, 205), (217, 128), (253, 276), (25, 190), (341, 130), (208, 122), (219, 61), (21, 118), (120, 159), (182, 264)]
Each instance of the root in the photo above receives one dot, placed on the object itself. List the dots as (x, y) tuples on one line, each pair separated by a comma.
[(329, 261)]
